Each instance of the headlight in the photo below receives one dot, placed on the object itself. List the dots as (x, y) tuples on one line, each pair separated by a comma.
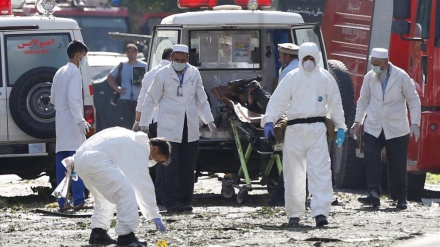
[(45, 7)]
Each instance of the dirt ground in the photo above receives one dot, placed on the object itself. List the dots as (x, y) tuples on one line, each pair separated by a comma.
[(217, 221)]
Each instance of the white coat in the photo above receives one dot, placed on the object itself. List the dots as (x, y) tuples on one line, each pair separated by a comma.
[(305, 153), (172, 108), (146, 84), (389, 111), (113, 164), (66, 96)]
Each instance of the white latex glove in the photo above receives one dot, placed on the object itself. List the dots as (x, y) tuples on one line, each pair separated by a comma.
[(144, 129), (136, 126), (84, 127), (354, 130), (414, 130), (213, 129)]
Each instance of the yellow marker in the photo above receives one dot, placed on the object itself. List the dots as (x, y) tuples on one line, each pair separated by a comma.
[(161, 243)]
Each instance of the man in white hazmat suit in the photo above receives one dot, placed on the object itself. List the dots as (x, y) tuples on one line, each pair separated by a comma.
[(178, 91), (70, 125), (114, 166), (306, 94), (385, 93)]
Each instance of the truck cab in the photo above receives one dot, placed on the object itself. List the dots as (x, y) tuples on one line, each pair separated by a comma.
[(226, 43), (33, 49)]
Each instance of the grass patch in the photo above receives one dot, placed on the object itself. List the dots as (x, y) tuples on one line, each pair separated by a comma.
[(432, 178)]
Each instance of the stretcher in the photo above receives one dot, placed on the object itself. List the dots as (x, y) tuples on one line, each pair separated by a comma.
[(251, 146)]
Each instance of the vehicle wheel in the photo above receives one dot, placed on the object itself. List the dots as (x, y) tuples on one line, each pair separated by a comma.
[(348, 170), (416, 185), (30, 103), (242, 194), (227, 191)]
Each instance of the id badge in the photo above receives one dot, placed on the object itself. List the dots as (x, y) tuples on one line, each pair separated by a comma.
[(179, 91)]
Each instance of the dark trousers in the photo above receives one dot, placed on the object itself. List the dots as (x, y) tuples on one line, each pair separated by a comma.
[(77, 187), (126, 112), (396, 150), (175, 182)]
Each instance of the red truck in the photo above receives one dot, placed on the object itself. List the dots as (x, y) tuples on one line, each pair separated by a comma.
[(410, 29), (95, 17)]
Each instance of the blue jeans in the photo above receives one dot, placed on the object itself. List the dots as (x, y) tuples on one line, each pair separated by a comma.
[(77, 187)]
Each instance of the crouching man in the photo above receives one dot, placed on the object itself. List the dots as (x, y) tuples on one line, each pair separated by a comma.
[(114, 166)]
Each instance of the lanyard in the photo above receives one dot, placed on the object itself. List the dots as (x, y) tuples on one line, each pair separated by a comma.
[(181, 78)]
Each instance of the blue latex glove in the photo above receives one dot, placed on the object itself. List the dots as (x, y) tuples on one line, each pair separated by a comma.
[(268, 131), (340, 137), (159, 225)]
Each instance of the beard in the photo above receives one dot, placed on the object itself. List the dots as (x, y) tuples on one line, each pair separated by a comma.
[(383, 76)]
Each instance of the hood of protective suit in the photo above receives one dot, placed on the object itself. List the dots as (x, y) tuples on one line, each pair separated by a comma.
[(308, 49), (142, 139)]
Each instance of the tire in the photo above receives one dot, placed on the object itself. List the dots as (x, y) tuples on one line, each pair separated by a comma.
[(348, 170), (30, 105)]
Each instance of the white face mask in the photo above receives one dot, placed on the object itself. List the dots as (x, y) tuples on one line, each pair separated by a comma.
[(151, 163), (178, 66), (377, 70), (309, 66), (82, 61)]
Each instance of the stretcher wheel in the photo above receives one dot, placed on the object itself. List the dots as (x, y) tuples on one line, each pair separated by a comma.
[(227, 191), (242, 194)]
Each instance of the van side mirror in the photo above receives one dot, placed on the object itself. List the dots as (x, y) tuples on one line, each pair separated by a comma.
[(402, 9), (400, 27)]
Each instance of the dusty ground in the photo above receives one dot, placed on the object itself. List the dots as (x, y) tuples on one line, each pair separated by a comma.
[(216, 221)]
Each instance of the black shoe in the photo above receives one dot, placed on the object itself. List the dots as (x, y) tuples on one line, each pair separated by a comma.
[(130, 240), (370, 201), (101, 237), (179, 209), (402, 204), (321, 220), (186, 208), (294, 221)]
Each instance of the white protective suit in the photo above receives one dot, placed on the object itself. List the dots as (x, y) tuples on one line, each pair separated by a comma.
[(146, 84), (114, 166), (304, 94), (172, 108), (390, 112), (66, 96)]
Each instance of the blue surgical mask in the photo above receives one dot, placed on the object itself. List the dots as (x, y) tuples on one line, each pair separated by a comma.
[(178, 66), (82, 61), (377, 70)]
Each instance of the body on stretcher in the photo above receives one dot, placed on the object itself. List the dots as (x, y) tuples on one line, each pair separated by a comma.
[(246, 128)]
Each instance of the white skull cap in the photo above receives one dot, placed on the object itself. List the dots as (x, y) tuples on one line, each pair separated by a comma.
[(289, 48), (142, 139), (379, 53), (180, 48)]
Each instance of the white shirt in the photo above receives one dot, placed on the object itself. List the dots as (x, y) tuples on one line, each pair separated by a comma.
[(66, 96), (388, 112)]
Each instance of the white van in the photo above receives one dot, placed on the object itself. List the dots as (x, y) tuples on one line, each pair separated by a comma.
[(32, 49)]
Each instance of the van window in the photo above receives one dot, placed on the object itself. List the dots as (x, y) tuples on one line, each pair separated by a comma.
[(29, 51), (238, 49), (424, 17), (437, 28), (163, 39)]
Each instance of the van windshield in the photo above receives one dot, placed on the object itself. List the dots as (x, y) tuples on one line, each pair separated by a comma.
[(238, 49), (95, 32)]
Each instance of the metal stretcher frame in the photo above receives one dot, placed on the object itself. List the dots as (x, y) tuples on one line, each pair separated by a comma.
[(229, 185)]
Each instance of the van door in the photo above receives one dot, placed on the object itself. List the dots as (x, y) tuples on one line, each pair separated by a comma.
[(3, 102), (310, 33), (31, 61)]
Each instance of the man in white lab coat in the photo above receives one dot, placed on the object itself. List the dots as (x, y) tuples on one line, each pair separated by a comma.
[(114, 166), (178, 91), (146, 84), (70, 125), (306, 95), (382, 109)]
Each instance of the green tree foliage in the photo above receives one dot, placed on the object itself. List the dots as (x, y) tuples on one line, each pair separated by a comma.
[(138, 8)]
